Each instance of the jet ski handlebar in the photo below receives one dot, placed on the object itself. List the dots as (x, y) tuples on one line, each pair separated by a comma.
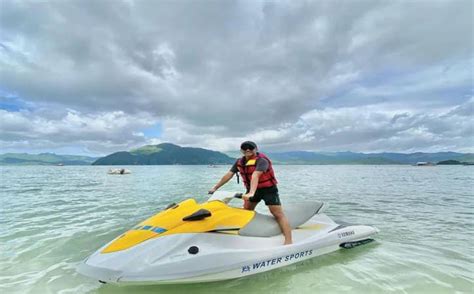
[(224, 196)]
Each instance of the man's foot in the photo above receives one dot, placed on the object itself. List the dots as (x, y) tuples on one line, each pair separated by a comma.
[(288, 242)]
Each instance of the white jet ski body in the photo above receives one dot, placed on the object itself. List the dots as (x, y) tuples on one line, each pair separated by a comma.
[(190, 242)]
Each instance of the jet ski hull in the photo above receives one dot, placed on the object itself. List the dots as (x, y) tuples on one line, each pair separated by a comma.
[(220, 256)]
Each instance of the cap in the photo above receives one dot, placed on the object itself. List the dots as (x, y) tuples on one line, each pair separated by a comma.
[(248, 143)]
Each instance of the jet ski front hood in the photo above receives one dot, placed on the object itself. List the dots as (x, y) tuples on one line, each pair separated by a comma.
[(161, 258), (185, 217)]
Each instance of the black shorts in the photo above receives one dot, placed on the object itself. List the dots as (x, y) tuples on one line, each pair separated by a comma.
[(268, 195)]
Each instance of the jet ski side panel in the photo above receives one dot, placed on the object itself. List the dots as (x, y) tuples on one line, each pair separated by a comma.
[(241, 263)]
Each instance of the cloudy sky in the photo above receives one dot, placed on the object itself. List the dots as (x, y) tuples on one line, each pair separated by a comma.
[(99, 76)]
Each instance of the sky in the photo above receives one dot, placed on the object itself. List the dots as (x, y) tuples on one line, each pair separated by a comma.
[(93, 77)]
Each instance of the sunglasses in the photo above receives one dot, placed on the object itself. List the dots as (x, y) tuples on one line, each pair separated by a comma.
[(246, 146)]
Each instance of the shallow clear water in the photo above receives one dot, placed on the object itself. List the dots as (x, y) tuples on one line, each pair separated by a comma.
[(53, 217)]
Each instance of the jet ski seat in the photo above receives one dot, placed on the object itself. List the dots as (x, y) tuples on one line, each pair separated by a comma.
[(263, 225)]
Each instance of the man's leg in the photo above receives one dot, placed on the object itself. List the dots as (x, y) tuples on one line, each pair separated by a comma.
[(249, 205), (280, 217)]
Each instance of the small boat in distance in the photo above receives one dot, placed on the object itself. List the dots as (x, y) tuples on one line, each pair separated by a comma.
[(424, 163), (119, 171)]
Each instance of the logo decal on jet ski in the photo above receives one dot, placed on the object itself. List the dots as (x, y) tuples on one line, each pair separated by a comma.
[(345, 234), (276, 260)]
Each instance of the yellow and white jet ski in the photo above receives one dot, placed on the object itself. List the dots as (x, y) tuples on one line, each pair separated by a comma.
[(194, 242)]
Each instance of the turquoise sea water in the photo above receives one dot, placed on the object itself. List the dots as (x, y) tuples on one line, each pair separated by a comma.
[(52, 217)]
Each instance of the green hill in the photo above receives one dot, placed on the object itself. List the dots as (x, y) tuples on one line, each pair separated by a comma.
[(449, 162), (169, 154), (468, 158), (44, 159), (165, 154), (304, 157)]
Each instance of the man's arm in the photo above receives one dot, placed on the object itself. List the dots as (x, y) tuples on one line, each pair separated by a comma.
[(223, 180), (253, 184), (262, 166)]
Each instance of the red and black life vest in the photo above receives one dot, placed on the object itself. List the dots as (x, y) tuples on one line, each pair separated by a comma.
[(246, 169)]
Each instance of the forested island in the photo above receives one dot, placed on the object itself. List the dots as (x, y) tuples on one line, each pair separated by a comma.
[(171, 154)]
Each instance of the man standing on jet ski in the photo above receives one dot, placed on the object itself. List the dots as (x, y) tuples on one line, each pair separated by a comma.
[(259, 179)]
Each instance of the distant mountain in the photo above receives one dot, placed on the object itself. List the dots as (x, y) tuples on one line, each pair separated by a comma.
[(426, 157), (465, 160), (165, 154), (468, 158), (449, 162), (169, 154), (303, 157), (44, 159)]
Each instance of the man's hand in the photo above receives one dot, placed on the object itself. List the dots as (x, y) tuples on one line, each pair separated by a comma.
[(247, 196), (211, 191)]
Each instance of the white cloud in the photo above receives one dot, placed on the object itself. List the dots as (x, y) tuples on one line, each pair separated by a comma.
[(103, 132), (291, 75)]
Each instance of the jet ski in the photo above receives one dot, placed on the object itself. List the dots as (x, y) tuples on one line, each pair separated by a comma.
[(193, 242)]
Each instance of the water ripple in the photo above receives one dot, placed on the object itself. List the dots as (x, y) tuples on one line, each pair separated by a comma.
[(54, 217)]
